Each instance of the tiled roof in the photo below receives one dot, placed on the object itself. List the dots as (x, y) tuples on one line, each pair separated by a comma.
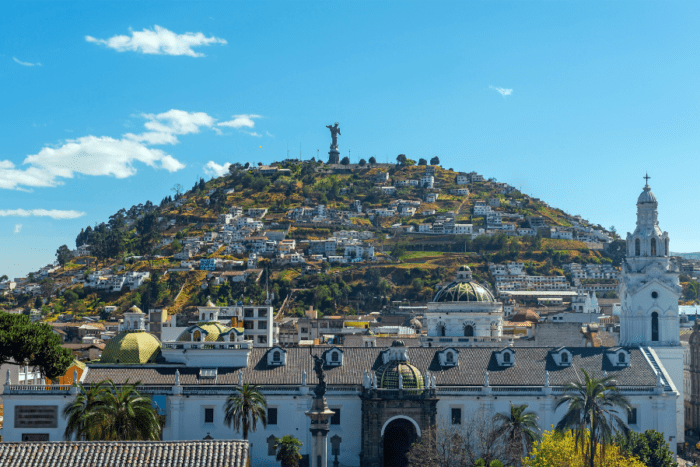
[(131, 347), (228, 453), (529, 369)]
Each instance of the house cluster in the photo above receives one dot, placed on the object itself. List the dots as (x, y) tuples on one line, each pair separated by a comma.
[(511, 276), (445, 225), (464, 178), (345, 246), (321, 215), (107, 280)]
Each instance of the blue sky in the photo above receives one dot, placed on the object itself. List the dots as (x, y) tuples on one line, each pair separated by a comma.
[(110, 104)]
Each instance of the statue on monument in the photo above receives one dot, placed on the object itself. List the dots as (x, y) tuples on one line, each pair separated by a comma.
[(335, 131), (320, 389)]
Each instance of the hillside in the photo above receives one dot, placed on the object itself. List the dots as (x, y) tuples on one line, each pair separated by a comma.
[(340, 238)]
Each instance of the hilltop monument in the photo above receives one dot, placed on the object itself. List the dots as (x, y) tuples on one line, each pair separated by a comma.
[(334, 154)]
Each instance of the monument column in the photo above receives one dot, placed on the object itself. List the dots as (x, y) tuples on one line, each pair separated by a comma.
[(320, 416)]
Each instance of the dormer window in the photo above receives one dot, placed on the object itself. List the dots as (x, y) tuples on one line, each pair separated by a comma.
[(449, 357), (277, 356), (562, 356), (618, 357), (333, 357), (505, 357)]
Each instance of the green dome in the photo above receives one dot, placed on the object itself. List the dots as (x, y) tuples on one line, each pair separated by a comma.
[(214, 331), (459, 291), (131, 347), (388, 376)]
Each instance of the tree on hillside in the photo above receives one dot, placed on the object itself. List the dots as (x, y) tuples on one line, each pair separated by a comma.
[(435, 161), (24, 343), (401, 159), (422, 161), (3, 278), (345, 160), (63, 255), (362, 162), (372, 160)]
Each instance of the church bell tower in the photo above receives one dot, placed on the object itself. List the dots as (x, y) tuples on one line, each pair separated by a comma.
[(649, 292)]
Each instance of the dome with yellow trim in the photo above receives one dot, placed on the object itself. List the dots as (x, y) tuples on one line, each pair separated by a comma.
[(211, 330), (464, 289), (388, 374), (131, 347)]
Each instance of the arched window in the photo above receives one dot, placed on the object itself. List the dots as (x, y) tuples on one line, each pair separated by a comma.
[(506, 357), (276, 357), (637, 247), (654, 326), (621, 357), (468, 331), (334, 357), (653, 247), (197, 336), (441, 330), (211, 315), (449, 358), (565, 357)]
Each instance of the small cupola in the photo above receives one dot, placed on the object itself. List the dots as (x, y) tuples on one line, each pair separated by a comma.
[(618, 357), (276, 356), (333, 356), (398, 352), (505, 357), (448, 357), (464, 274), (561, 356)]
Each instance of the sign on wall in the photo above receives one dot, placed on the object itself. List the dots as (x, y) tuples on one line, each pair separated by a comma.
[(35, 437), (36, 416)]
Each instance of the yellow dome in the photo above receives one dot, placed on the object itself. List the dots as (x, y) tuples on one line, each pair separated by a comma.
[(131, 347), (388, 376), (214, 330)]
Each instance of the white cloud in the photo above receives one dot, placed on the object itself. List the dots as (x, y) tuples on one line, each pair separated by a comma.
[(502, 91), (270, 135), (18, 228), (53, 213), (252, 133), (25, 63), (158, 41), (212, 169), (240, 121), (166, 125)]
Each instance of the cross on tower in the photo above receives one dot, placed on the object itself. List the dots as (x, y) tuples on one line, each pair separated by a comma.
[(646, 177)]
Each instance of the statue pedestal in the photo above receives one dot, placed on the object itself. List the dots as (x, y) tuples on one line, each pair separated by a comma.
[(334, 156), (320, 416)]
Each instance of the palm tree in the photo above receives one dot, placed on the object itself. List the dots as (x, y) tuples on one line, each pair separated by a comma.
[(518, 427), (592, 406), (245, 408), (126, 415), (80, 413), (288, 451)]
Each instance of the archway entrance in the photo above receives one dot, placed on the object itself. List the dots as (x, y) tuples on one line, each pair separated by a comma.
[(399, 435)]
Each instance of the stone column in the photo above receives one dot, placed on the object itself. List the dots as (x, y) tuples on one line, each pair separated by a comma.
[(320, 416)]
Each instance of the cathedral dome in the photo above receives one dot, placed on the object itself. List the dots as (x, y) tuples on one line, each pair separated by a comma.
[(131, 347), (647, 196), (459, 291), (388, 376), (214, 331)]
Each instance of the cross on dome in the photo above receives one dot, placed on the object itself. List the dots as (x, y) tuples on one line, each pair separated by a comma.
[(646, 177)]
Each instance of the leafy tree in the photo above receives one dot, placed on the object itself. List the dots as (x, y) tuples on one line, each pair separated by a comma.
[(345, 160), (398, 250), (591, 412), (401, 159), (288, 451), (650, 447), (176, 245), (178, 189), (561, 449), (372, 160), (435, 161), (32, 344), (518, 427), (69, 296), (63, 255), (38, 302), (422, 161), (3, 278), (362, 162), (245, 408)]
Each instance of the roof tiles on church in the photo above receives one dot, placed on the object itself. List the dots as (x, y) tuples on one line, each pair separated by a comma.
[(228, 453), (529, 369)]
